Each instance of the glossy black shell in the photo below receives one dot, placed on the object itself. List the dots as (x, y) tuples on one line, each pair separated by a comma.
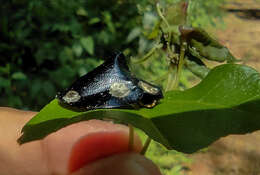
[(110, 85)]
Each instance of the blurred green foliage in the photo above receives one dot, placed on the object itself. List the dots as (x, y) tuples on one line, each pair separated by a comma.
[(45, 45), (204, 13)]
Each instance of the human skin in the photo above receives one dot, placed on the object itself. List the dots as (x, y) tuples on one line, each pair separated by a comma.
[(83, 148)]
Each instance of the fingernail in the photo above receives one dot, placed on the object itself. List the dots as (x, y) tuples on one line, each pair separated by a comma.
[(96, 146)]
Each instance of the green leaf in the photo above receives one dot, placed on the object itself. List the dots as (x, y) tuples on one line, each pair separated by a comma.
[(18, 76), (133, 34), (226, 102), (82, 12), (219, 54), (196, 66), (202, 45), (5, 83), (77, 49), (94, 20), (88, 44), (5, 70)]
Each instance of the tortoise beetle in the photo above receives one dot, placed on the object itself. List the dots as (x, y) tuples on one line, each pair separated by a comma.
[(110, 85)]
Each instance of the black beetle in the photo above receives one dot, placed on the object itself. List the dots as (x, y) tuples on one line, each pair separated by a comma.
[(110, 85)]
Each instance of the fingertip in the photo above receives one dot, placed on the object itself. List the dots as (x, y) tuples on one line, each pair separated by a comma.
[(81, 143), (99, 145), (127, 164)]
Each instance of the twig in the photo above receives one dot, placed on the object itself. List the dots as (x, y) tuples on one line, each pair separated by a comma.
[(149, 54), (161, 15), (131, 138), (180, 65), (146, 145)]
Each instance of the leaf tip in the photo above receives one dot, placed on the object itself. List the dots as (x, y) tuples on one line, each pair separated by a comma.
[(20, 140)]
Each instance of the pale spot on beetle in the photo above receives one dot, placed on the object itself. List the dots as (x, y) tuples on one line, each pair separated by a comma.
[(149, 105), (71, 96), (148, 88), (119, 90)]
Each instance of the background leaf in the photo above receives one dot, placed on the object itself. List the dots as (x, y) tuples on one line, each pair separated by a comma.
[(88, 44), (196, 66), (225, 102), (18, 76), (202, 45)]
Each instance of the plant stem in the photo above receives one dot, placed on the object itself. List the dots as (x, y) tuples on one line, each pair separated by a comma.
[(180, 65), (161, 15), (169, 37), (146, 145), (171, 78), (131, 138), (173, 81), (149, 54)]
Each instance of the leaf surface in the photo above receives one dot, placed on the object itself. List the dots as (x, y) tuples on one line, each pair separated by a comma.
[(88, 44), (202, 45), (226, 102), (196, 66)]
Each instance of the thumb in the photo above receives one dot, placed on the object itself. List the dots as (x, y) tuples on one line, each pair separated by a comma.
[(93, 147), (126, 164)]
